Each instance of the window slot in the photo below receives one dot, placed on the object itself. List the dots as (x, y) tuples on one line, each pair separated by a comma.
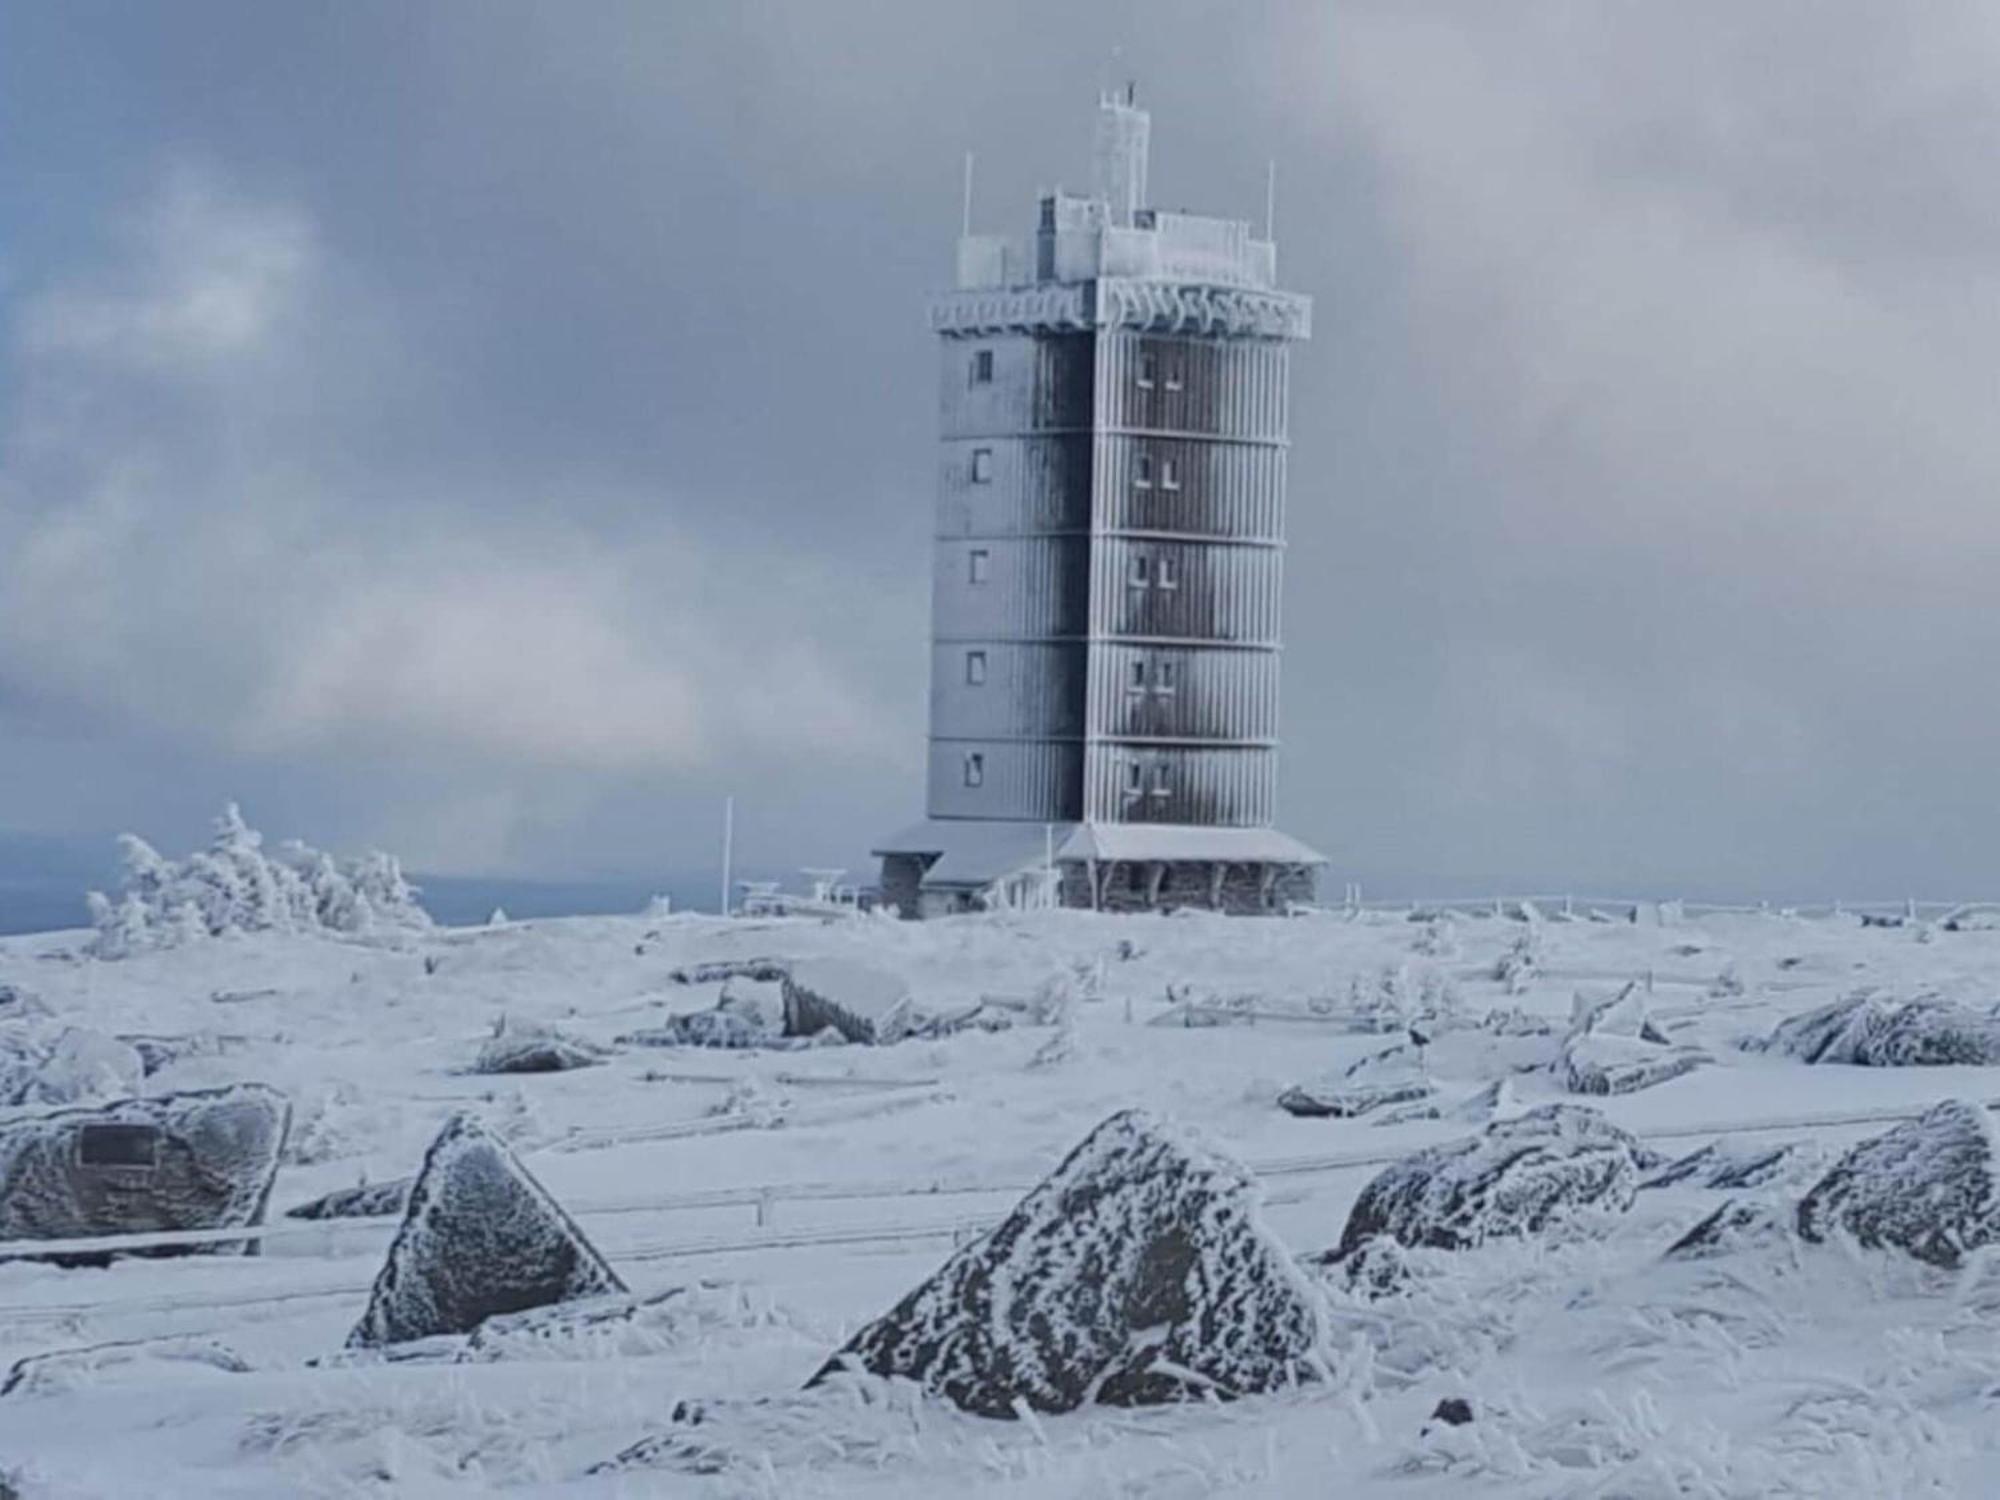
[(982, 465), (978, 565), (982, 367), (1136, 571), (1135, 680), (1168, 572), (975, 668), (1142, 470), (1170, 474), (1149, 371), (1165, 675), (975, 769)]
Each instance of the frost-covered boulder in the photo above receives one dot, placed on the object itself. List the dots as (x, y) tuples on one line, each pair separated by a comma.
[(480, 1237), (1876, 1031), (863, 1003), (1138, 1272), (1614, 1048), (760, 1002), (515, 1047), (45, 1064), (1928, 1188), (1480, 1107), (1345, 1098), (1738, 1225), (367, 1200), (1516, 1178), (1720, 1165), (198, 1160)]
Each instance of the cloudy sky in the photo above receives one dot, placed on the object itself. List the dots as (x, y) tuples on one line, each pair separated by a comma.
[(496, 430)]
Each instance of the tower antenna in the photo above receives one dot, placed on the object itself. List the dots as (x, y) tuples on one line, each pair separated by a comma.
[(1271, 201), (965, 226)]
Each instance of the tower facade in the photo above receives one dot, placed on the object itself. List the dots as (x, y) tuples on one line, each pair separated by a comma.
[(1107, 561)]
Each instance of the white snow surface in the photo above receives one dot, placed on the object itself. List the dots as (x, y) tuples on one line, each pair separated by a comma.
[(807, 1190)]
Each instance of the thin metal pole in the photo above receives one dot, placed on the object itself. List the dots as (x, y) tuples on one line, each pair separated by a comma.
[(728, 847), (965, 219), (1271, 201)]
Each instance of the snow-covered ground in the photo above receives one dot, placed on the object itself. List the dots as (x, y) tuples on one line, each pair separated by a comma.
[(811, 1188)]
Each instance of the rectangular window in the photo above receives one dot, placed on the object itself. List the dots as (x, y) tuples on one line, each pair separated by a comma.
[(1166, 675), (982, 367), (1160, 787), (1168, 572), (975, 668), (975, 769), (1149, 370), (1142, 470), (978, 565), (982, 465), (1135, 681), (1134, 778), (1135, 571), (1174, 381), (1170, 474)]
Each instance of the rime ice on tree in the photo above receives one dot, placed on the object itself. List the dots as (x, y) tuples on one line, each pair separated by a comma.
[(1110, 528)]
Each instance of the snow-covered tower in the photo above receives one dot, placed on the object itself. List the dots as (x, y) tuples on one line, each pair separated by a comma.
[(1109, 544)]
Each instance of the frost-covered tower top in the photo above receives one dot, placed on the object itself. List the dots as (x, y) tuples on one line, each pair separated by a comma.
[(1110, 534)]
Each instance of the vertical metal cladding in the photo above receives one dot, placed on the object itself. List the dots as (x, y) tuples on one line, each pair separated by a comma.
[(1201, 386), (1011, 580), (1184, 692), (1035, 780), (1136, 783), (1150, 589), (1200, 487)]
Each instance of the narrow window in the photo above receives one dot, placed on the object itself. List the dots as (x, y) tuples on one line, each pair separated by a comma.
[(978, 565), (1174, 380), (1160, 787), (1169, 575), (975, 668), (1135, 570), (982, 367), (975, 769), (1142, 470), (1135, 681), (982, 465), (1149, 370), (1166, 675), (1170, 474), (1134, 778)]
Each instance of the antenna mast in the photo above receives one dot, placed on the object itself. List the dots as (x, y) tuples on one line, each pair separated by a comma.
[(1271, 201), (965, 219)]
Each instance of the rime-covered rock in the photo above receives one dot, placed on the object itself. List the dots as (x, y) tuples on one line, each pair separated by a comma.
[(368, 1200), (1515, 1178), (480, 1237), (1737, 1225), (198, 1160), (1138, 1272), (516, 1048), (1480, 1107), (1614, 1048), (44, 1064), (864, 1004), (1344, 1098), (1719, 1165), (761, 1002), (1874, 1031), (1930, 1187)]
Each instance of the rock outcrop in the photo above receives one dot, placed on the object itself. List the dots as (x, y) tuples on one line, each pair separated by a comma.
[(1930, 1188), (1875, 1031), (1138, 1273)]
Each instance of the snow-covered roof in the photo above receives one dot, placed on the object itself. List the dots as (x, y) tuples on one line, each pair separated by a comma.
[(1181, 841), (977, 851)]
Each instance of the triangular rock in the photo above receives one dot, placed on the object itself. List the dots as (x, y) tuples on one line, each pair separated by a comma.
[(1930, 1187), (1139, 1272), (480, 1237)]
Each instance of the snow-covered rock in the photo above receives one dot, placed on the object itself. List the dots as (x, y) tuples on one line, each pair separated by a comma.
[(1875, 1031), (519, 1048), (1517, 1177), (367, 1200), (1138, 1272), (480, 1237), (1614, 1048), (1930, 1187), (761, 1002), (198, 1160), (1720, 1165), (46, 1064), (1344, 1098), (1738, 1225), (865, 1004)]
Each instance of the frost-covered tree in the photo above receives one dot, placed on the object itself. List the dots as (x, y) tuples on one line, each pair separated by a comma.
[(235, 885)]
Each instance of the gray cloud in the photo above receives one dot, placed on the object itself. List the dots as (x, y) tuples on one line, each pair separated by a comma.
[(500, 429)]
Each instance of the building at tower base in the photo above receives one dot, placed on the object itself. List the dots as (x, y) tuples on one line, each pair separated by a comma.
[(1107, 563)]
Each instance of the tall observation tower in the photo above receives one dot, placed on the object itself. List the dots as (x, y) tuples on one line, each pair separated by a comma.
[(1110, 539)]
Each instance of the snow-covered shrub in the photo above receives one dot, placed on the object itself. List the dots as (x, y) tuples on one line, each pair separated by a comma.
[(236, 885), (1520, 965)]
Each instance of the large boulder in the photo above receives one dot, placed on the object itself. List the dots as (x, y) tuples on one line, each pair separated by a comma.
[(1719, 1165), (1378, 1081), (367, 1200), (42, 1064), (863, 1004), (517, 1047), (480, 1237), (1876, 1031), (1515, 1178), (198, 1160), (1928, 1188), (1139, 1272)]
